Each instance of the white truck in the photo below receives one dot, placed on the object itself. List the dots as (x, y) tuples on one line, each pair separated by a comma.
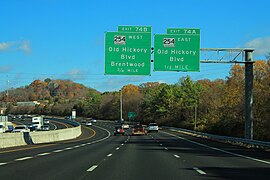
[(38, 122)]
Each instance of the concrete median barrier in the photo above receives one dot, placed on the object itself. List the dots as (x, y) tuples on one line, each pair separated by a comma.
[(20, 139), (56, 135), (11, 139)]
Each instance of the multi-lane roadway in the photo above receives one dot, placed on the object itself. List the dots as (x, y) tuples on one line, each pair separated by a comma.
[(97, 154)]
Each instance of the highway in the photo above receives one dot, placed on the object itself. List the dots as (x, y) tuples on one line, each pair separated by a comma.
[(97, 154)]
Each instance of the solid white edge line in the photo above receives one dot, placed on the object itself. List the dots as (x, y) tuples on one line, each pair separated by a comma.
[(1, 164), (199, 171), (217, 149), (176, 156), (24, 158), (92, 168)]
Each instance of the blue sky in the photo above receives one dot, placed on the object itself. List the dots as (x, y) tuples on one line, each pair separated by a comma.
[(64, 39)]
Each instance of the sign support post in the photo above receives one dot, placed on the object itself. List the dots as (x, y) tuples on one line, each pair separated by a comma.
[(248, 95)]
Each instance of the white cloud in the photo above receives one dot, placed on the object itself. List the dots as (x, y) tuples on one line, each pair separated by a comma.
[(261, 45), (5, 46), (16, 46), (25, 46), (76, 74)]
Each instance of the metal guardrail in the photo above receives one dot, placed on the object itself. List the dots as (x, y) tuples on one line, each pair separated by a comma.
[(248, 142)]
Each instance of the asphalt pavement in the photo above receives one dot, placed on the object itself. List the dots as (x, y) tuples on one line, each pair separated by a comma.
[(97, 154)]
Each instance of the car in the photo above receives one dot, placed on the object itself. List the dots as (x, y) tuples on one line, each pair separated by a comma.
[(138, 130), (45, 128), (153, 127), (32, 127), (46, 121), (83, 121), (21, 128), (119, 130), (125, 126), (88, 123)]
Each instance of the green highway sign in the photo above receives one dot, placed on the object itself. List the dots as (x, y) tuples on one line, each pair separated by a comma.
[(127, 53), (177, 51), (132, 115), (139, 29)]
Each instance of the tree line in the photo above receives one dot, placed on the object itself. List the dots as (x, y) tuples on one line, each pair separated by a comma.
[(209, 106)]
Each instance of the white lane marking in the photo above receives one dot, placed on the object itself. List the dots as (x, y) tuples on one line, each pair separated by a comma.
[(43, 154), (92, 168), (76, 146), (109, 134), (60, 150), (117, 148), (109, 155), (160, 144), (199, 171), (1, 164), (55, 127), (122, 144), (83, 145), (68, 148), (176, 156), (24, 158), (220, 150), (166, 148)]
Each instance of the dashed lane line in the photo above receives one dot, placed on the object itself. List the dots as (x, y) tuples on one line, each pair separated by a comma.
[(43, 154), (92, 168), (24, 158), (57, 151), (176, 156), (109, 155), (220, 150), (117, 148), (199, 171)]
